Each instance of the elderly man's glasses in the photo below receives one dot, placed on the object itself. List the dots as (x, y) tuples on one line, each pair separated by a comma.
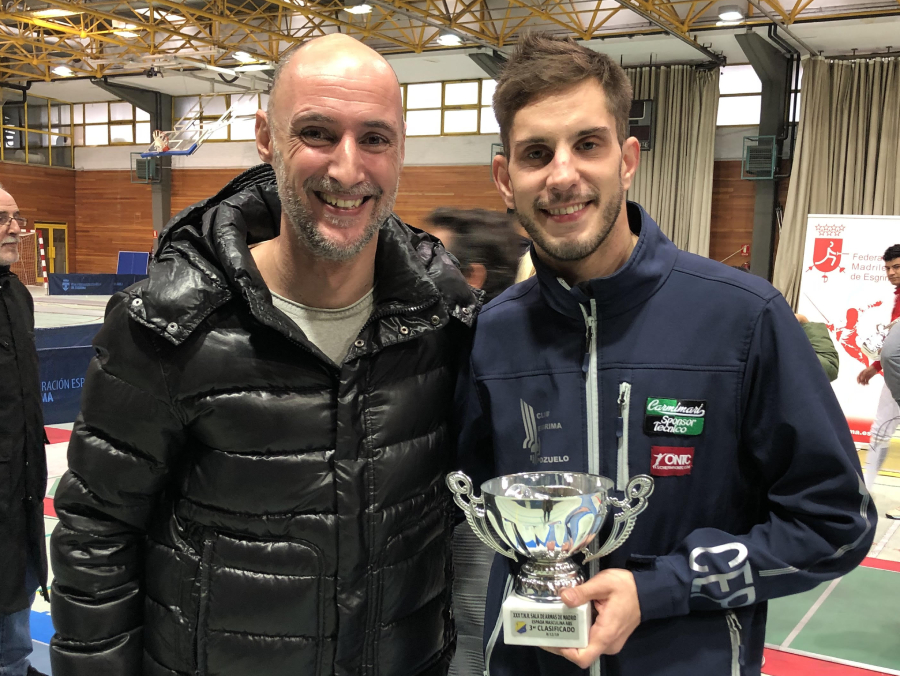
[(5, 219)]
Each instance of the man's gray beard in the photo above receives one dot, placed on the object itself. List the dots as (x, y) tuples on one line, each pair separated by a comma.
[(9, 259), (303, 222), (568, 252)]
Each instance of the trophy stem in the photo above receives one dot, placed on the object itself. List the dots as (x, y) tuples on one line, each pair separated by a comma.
[(543, 581)]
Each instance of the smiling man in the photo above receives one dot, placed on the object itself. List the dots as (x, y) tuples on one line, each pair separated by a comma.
[(625, 356), (256, 478)]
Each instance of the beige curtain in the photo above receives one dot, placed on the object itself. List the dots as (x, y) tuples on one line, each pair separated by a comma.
[(674, 180), (847, 157)]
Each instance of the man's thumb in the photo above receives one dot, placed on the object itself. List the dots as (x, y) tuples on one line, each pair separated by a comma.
[(573, 597)]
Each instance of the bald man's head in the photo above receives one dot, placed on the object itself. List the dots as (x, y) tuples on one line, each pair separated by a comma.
[(335, 53)]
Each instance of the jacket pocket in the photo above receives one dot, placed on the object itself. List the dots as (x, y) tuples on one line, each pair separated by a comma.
[(261, 598)]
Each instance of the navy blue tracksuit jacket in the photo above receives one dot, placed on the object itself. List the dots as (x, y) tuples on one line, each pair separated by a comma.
[(700, 376)]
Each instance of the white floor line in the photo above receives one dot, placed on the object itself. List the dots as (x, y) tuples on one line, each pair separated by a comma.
[(888, 534), (809, 613)]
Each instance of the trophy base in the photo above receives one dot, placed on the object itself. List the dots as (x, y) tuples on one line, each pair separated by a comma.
[(550, 625)]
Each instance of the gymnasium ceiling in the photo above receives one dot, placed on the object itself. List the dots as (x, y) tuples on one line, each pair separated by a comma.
[(95, 38)]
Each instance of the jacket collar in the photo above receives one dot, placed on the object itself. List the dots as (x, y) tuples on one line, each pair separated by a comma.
[(643, 274), (204, 260)]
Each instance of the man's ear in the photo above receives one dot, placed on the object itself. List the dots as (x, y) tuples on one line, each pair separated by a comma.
[(500, 171), (265, 138), (476, 275), (631, 159)]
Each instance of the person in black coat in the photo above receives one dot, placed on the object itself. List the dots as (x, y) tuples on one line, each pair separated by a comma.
[(256, 479), (23, 465)]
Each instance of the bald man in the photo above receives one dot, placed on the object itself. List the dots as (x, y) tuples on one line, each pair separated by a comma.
[(256, 477)]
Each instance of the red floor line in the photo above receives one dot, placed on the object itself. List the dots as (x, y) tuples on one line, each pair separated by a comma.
[(49, 509), (56, 435), (881, 564), (779, 663)]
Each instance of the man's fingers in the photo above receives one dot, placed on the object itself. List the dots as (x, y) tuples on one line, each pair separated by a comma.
[(583, 657), (597, 588)]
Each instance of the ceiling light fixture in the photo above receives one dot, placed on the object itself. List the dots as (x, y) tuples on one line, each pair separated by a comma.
[(358, 9), (250, 67), (730, 13), (53, 13), (62, 71), (449, 39), (126, 34), (244, 57)]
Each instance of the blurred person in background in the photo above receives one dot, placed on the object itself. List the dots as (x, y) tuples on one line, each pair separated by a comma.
[(484, 242), (488, 249)]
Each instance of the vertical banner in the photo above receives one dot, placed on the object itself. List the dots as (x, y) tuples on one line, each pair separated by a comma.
[(844, 285)]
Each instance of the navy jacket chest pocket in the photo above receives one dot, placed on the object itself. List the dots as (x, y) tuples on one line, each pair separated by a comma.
[(538, 422)]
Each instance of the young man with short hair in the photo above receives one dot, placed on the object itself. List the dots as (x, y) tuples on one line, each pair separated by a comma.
[(638, 358), (887, 416)]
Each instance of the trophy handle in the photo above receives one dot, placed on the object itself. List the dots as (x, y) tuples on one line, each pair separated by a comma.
[(639, 488), (473, 508)]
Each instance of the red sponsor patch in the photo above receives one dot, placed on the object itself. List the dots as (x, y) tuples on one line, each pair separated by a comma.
[(671, 460)]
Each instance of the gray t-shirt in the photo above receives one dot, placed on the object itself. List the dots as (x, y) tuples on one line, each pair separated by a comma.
[(331, 330)]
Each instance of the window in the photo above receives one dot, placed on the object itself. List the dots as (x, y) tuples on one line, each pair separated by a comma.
[(199, 113), (36, 130), (740, 98), (449, 108)]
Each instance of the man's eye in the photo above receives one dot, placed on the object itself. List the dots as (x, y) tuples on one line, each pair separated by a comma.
[(375, 140), (533, 155), (315, 135)]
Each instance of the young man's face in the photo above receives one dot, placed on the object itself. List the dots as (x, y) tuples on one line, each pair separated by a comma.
[(892, 268), (566, 174)]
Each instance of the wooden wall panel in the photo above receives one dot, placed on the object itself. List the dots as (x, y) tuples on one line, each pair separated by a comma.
[(423, 189), (44, 195), (733, 202), (189, 186), (112, 214)]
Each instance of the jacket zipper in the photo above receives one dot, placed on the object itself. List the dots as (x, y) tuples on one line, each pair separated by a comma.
[(734, 629), (203, 610), (622, 476), (593, 419), (507, 590)]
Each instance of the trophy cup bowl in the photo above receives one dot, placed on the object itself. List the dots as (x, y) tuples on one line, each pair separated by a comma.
[(546, 518)]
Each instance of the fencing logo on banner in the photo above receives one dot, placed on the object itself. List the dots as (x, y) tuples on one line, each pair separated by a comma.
[(827, 250), (844, 286)]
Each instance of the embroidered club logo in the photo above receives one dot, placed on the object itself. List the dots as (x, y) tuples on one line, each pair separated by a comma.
[(532, 442), (671, 460), (535, 423), (681, 417), (65, 284), (827, 256), (521, 627)]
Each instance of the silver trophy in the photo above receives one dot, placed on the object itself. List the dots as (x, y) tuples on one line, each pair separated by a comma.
[(546, 517)]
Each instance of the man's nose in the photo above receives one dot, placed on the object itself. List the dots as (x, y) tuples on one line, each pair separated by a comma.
[(347, 165), (563, 174)]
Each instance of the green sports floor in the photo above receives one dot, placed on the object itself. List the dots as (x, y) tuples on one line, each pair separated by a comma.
[(849, 626)]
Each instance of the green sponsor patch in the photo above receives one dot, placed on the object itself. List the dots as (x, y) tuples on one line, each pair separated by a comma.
[(684, 417)]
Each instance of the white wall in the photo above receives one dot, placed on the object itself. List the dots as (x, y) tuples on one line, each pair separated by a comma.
[(730, 142)]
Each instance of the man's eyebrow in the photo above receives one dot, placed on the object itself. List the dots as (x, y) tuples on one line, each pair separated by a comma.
[(380, 124)]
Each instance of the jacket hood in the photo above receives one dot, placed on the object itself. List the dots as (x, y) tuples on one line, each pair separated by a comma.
[(203, 260), (643, 274)]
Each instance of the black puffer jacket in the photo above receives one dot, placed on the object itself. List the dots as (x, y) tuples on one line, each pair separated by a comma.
[(23, 465), (237, 506)]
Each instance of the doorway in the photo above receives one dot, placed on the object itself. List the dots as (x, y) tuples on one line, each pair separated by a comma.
[(56, 247)]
